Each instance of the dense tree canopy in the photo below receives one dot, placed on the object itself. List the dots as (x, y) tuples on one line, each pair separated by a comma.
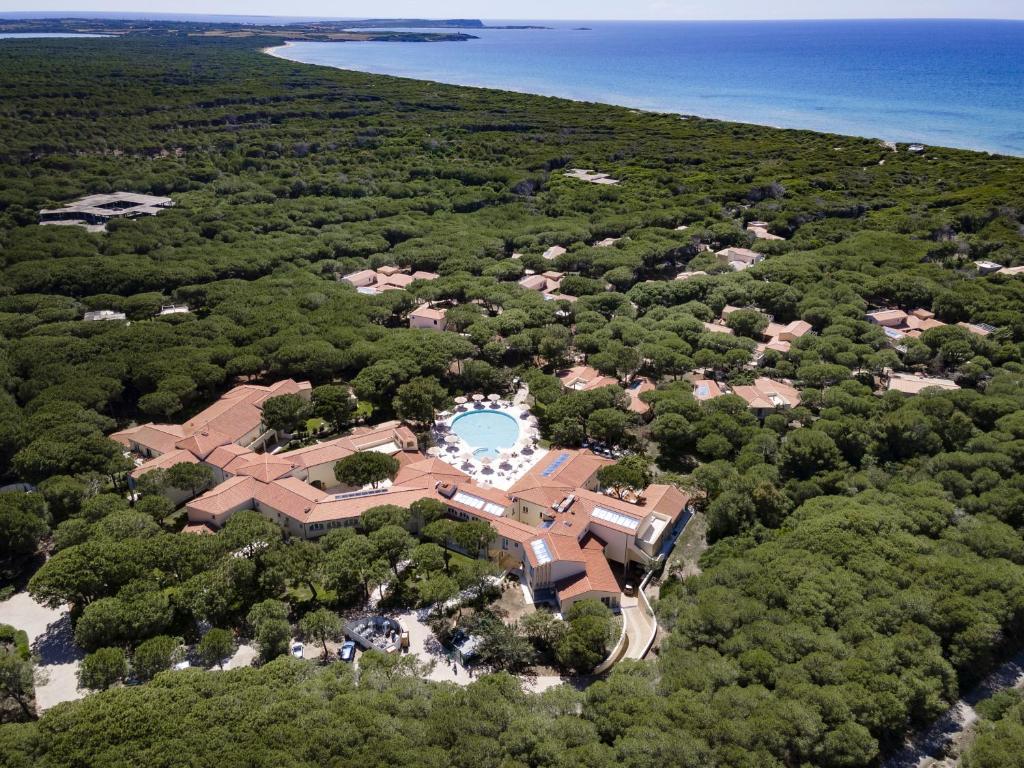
[(866, 560)]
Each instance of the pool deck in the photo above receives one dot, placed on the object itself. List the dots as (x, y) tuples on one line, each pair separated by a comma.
[(497, 474)]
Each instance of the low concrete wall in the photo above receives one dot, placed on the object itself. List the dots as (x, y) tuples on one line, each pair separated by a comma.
[(646, 605)]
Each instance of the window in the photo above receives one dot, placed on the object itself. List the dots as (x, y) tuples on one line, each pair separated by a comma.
[(504, 543)]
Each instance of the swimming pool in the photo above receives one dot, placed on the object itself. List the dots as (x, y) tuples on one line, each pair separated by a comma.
[(487, 432)]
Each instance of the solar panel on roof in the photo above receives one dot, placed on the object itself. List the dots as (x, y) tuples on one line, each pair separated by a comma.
[(470, 501), (360, 494), (540, 549), (617, 518), (702, 390), (554, 465)]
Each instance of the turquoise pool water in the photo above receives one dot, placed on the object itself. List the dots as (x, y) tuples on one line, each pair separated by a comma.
[(487, 432)]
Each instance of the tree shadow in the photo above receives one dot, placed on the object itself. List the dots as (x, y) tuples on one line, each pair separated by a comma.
[(57, 644)]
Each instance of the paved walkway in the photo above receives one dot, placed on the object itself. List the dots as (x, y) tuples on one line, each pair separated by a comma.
[(52, 641), (640, 627)]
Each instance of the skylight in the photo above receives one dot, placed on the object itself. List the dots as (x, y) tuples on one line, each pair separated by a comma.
[(541, 551), (617, 518)]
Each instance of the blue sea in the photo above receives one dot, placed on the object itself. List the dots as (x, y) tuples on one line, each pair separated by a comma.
[(950, 83)]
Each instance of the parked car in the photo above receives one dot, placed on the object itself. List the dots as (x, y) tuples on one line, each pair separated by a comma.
[(297, 649), (347, 652)]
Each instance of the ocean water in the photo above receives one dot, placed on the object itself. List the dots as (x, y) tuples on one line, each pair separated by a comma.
[(950, 83)]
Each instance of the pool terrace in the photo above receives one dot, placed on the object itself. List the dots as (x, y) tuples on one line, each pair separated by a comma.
[(492, 440)]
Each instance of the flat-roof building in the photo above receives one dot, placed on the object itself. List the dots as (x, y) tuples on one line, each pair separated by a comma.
[(99, 209)]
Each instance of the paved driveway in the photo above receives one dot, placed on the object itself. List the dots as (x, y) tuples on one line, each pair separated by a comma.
[(50, 635)]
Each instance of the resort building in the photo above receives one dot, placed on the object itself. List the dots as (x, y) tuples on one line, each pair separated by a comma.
[(582, 378), (915, 383), (688, 275), (173, 309), (553, 525), (897, 324), (766, 396), (553, 252), (739, 258), (978, 329), (104, 314), (706, 389), (371, 282), (759, 229), (427, 318), (608, 242), (763, 397), (99, 209), (1011, 271), (588, 174), (546, 283), (986, 267)]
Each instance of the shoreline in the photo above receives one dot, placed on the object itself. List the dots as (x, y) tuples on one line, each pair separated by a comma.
[(905, 135), (274, 51)]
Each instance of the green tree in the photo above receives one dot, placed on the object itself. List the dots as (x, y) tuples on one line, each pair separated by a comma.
[(216, 646), (102, 668), (285, 413), (156, 655), (585, 643), (607, 425), (334, 404), (271, 630), (22, 524), (16, 684), (419, 400), (806, 452), (629, 474), (190, 477), (321, 625), (392, 543), (366, 468)]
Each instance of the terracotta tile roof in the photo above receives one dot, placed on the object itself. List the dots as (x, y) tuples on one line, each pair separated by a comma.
[(165, 461), (768, 393), (347, 507), (225, 497), (561, 469), (666, 500), (200, 528), (421, 275), (597, 575), (430, 467), (587, 502), (583, 378), (636, 388), (159, 438), (718, 328), (396, 280), (535, 283), (286, 498), (361, 278), (264, 467), (911, 384), (427, 313), (204, 442), (887, 316), (225, 454)]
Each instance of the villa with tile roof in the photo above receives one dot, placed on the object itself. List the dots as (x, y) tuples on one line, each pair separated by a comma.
[(374, 281), (582, 378)]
